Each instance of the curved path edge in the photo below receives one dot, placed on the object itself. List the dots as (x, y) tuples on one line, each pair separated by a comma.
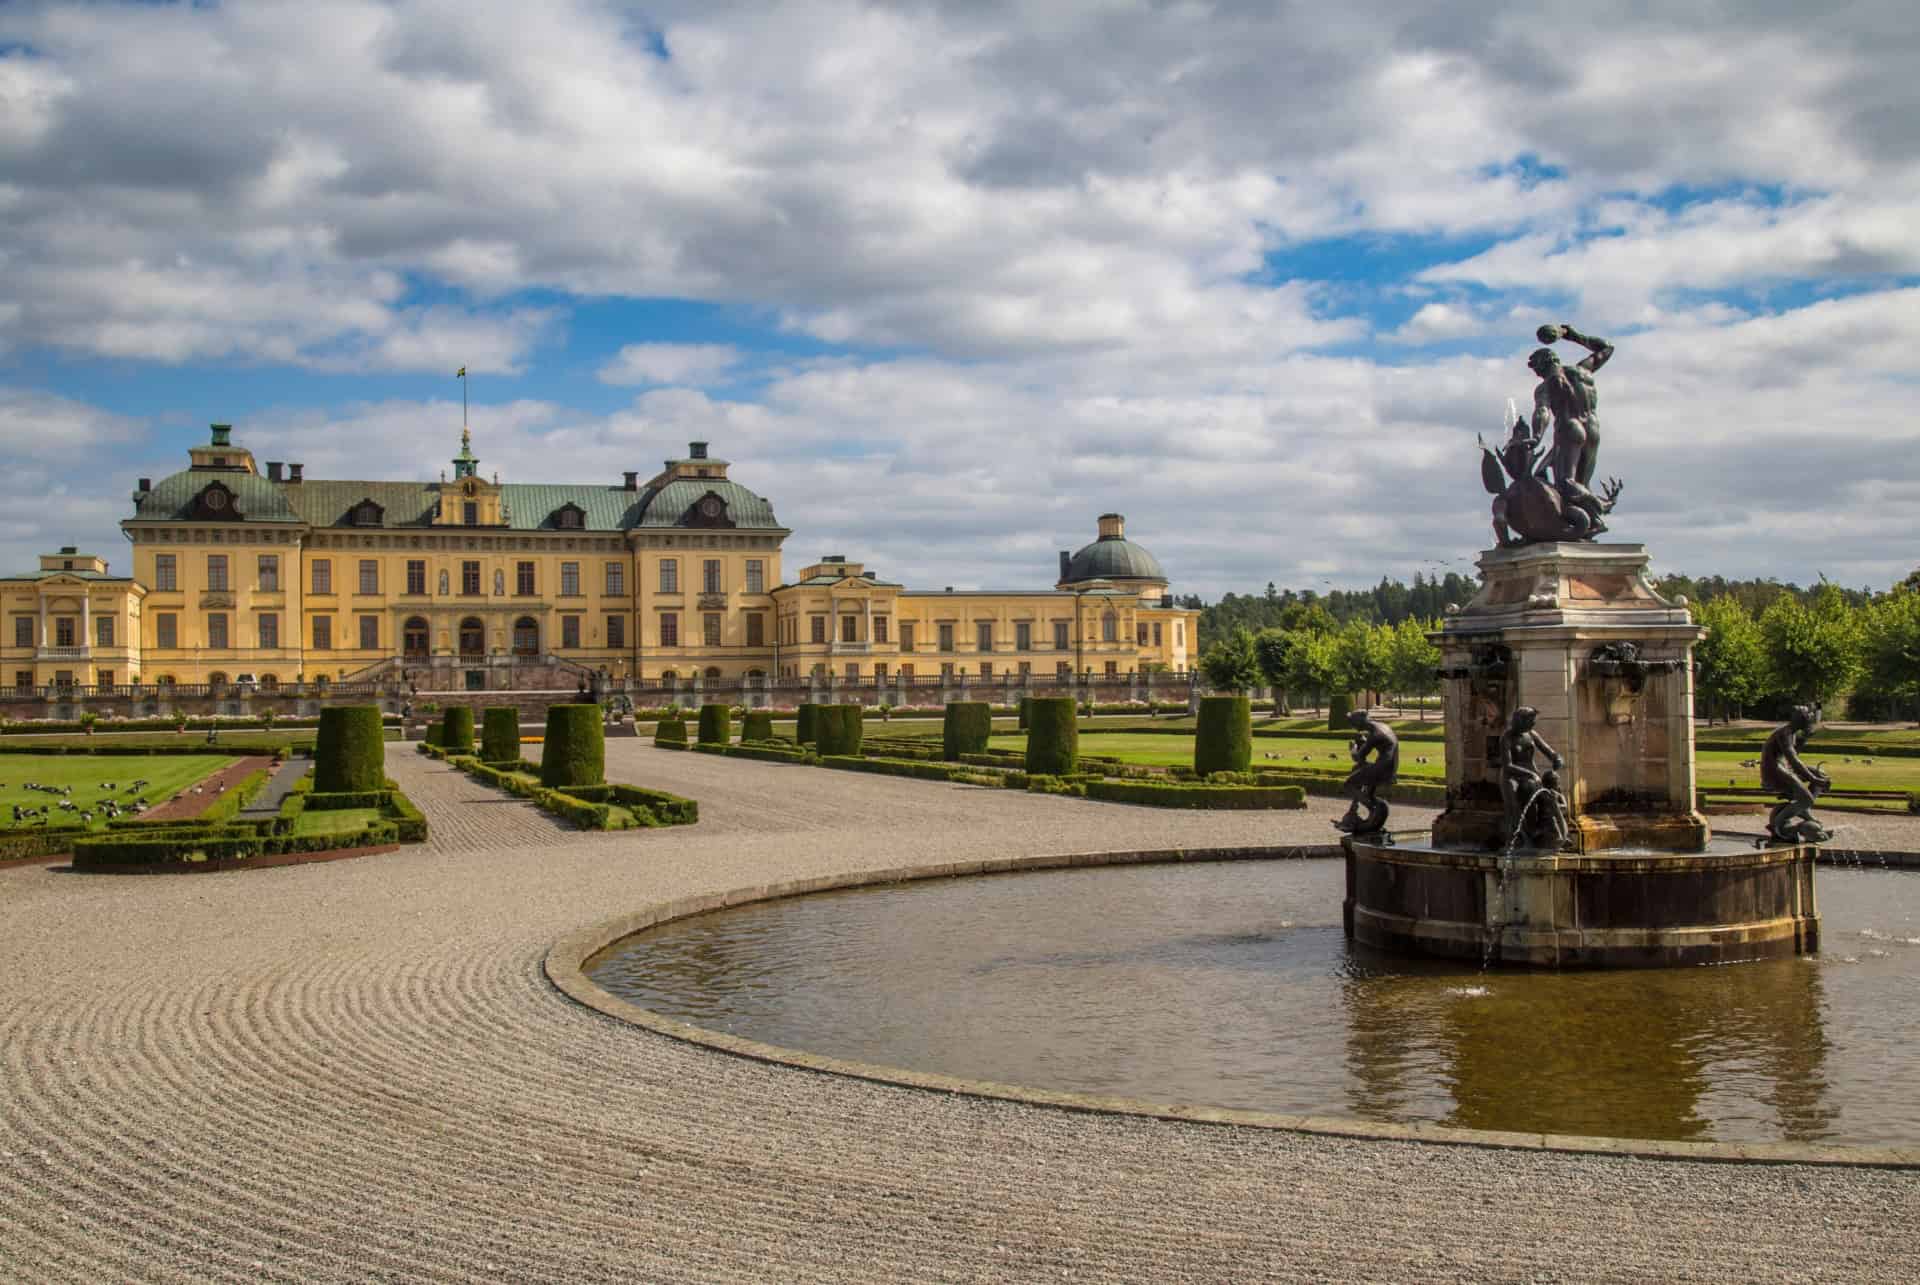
[(565, 967)]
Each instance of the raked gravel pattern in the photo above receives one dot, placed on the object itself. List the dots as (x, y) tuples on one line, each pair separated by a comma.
[(357, 1071)]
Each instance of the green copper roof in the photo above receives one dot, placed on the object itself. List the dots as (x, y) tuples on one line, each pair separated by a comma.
[(254, 498), (1111, 558), (668, 506)]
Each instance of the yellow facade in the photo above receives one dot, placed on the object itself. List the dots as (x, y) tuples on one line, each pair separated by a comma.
[(71, 624), (269, 578)]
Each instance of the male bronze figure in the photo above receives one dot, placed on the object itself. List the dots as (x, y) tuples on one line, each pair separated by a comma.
[(1568, 402), (1368, 778), (1783, 772), (1535, 809)]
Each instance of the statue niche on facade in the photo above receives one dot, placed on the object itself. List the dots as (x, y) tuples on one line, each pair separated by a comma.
[(1369, 776), (1534, 809), (1541, 478), (1783, 772)]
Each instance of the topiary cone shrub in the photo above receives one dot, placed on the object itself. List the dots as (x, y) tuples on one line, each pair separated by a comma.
[(1223, 736), (716, 725), (757, 726), (806, 727), (1053, 736), (456, 730), (348, 754), (500, 735), (575, 752), (1339, 705), (968, 725)]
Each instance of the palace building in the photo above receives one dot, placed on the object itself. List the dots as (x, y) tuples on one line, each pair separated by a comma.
[(269, 578)]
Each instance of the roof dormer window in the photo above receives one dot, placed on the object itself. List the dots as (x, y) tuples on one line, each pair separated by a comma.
[(367, 513), (569, 517)]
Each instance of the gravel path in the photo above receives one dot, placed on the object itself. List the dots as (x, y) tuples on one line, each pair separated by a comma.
[(357, 1071)]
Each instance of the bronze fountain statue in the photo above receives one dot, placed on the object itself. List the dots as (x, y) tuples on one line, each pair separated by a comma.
[(1540, 480), (1369, 777)]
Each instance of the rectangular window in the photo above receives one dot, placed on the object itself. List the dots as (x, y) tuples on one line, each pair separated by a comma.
[(268, 627), (103, 631), (1156, 633), (756, 576), (1060, 642), (946, 669), (416, 575), (23, 631), (906, 673), (1179, 633), (906, 635), (569, 580), (669, 575), (216, 573), (166, 573), (616, 631), (1026, 667), (269, 572), (523, 582), (946, 640), (103, 677), (1062, 669), (23, 679), (986, 669), (849, 629), (1113, 669), (1109, 628), (470, 513), (166, 630), (880, 673), (879, 629), (710, 576), (569, 631), (469, 577), (323, 633), (369, 633), (323, 575), (669, 629), (983, 635), (616, 579), (63, 631), (711, 628), (1023, 636), (756, 629), (819, 629), (217, 630), (1143, 634), (369, 576), (853, 671)]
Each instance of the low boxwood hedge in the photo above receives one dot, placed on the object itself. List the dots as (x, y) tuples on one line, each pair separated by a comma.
[(918, 769), (767, 753), (1182, 794), (39, 841), (500, 734), (716, 725)]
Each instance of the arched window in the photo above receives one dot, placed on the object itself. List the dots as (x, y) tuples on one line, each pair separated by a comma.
[(526, 636), (713, 673), (165, 680), (269, 682), (413, 637), (216, 679), (669, 679), (473, 637)]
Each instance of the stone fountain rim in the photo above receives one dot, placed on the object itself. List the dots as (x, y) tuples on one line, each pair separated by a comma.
[(565, 967)]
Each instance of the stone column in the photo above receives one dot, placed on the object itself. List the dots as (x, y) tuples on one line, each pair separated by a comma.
[(86, 619), (46, 637)]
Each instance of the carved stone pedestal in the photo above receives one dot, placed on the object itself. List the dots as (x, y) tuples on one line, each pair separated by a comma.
[(1578, 633)]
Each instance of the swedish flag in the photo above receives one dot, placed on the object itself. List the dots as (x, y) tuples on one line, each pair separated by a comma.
[(460, 373)]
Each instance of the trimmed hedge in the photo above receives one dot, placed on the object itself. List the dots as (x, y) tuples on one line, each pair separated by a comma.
[(764, 752), (671, 732), (1023, 712), (277, 749), (967, 727), (716, 725), (456, 730), (898, 767), (1180, 794), (1053, 736), (806, 725), (575, 750), (227, 803), (1223, 735), (500, 735), (838, 729), (350, 751), (1339, 705), (40, 841), (757, 726)]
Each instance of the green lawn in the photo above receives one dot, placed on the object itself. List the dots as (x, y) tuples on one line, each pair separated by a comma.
[(335, 821), (165, 774)]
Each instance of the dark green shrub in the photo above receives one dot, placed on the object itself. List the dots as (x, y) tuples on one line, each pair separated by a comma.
[(853, 728), (716, 725), (1913, 803), (456, 730), (349, 754), (806, 727), (1339, 705), (968, 725), (575, 752), (670, 730), (500, 735), (1223, 735), (757, 726), (1023, 712), (827, 723), (1053, 736), (1182, 794)]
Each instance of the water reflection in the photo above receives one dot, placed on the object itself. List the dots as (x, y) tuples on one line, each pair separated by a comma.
[(1232, 985)]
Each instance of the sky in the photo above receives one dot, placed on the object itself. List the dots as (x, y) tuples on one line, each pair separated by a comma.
[(947, 281)]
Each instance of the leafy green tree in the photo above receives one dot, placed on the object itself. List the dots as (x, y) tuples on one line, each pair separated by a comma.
[(1312, 666), (1231, 664), (1891, 645), (1412, 660), (1274, 649), (1813, 648), (1732, 657), (1364, 656)]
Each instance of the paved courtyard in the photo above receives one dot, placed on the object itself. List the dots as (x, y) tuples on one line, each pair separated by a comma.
[(357, 1071)]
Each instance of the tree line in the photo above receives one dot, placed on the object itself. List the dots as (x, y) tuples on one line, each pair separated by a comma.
[(1816, 648), (1373, 660)]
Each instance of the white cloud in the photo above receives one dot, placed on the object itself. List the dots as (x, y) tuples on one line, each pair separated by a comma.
[(669, 363)]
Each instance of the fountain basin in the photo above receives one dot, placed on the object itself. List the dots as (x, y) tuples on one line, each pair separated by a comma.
[(1737, 900)]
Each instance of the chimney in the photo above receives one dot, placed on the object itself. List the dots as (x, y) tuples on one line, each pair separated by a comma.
[(293, 472), (1112, 526), (1066, 563), (633, 481), (696, 450), (146, 485), (69, 549), (273, 470), (222, 434)]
